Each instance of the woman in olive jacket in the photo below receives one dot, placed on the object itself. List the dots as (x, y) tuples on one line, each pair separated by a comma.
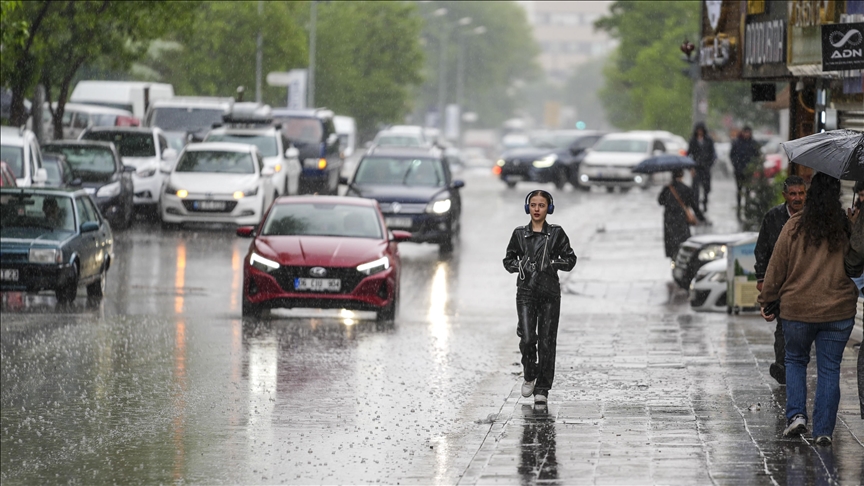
[(817, 301), (536, 252)]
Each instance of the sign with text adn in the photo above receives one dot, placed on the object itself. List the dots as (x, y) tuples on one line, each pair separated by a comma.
[(842, 46)]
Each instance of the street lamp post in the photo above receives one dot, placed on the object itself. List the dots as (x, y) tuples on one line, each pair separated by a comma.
[(460, 66), (313, 20)]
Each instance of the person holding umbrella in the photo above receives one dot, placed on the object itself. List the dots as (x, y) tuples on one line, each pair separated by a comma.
[(681, 212), (854, 262)]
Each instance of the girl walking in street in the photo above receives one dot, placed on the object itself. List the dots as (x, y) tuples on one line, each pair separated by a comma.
[(536, 252), (817, 301)]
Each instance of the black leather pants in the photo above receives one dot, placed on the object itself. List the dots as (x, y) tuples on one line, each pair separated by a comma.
[(538, 331)]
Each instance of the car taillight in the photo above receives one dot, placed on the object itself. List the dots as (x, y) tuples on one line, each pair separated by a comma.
[(496, 170), (127, 121)]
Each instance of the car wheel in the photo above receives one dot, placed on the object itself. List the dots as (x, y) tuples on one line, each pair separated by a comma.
[(169, 226), (250, 310), (510, 184), (446, 246), (610, 189), (67, 293), (388, 313), (96, 290), (560, 180)]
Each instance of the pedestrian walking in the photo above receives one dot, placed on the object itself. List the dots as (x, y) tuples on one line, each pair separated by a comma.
[(681, 212), (795, 193), (744, 150), (817, 300), (855, 268), (536, 252), (701, 150)]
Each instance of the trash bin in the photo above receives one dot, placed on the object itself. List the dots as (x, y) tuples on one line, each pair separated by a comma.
[(741, 294)]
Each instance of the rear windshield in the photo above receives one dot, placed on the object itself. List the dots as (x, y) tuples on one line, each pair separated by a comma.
[(14, 156), (102, 120), (266, 145), (397, 141), (129, 144), (216, 162), (186, 118), (96, 160), (302, 130), (621, 145), (36, 211), (323, 220), (400, 172)]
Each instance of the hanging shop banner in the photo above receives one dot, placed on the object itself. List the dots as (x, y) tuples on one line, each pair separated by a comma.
[(843, 46), (720, 46)]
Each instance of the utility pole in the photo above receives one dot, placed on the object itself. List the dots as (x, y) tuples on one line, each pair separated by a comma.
[(442, 76), (310, 93), (259, 54)]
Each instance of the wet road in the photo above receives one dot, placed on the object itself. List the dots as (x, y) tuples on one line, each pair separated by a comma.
[(163, 382)]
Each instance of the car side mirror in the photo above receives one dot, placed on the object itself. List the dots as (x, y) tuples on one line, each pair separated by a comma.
[(399, 236), (246, 231), (89, 226), (267, 171), (169, 154), (574, 150), (343, 180), (76, 182), (41, 175), (292, 153), (128, 168), (333, 138), (458, 184)]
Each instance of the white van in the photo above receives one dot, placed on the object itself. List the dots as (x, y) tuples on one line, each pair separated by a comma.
[(20, 150), (193, 115), (346, 128), (126, 95)]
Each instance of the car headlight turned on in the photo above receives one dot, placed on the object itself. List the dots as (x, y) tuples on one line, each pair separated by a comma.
[(109, 190), (439, 207), (547, 161), (263, 264), (375, 266), (711, 253), (45, 255), (181, 193), (147, 171)]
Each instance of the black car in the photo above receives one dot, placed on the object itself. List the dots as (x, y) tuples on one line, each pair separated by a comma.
[(59, 172), (554, 158), (314, 135), (53, 239), (415, 191), (97, 165)]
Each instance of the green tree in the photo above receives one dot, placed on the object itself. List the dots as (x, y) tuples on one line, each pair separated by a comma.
[(367, 61), (496, 62)]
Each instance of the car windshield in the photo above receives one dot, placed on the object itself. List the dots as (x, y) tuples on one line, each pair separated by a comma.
[(400, 172), (36, 211), (302, 130), (216, 161), (323, 220), (94, 160), (266, 144), (621, 145), (129, 144), (186, 118), (397, 141), (14, 156)]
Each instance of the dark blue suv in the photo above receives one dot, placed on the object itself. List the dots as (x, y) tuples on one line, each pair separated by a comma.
[(313, 134)]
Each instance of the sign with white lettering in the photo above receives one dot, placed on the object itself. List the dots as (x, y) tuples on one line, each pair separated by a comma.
[(842, 46), (765, 43)]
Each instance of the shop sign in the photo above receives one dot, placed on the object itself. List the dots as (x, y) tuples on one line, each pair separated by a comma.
[(808, 13), (765, 42), (842, 46), (716, 51)]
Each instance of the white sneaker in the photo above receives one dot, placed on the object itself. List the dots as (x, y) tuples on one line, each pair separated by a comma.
[(538, 398), (797, 426), (528, 388)]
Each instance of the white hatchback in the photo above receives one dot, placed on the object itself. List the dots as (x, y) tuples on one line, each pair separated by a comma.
[(217, 183)]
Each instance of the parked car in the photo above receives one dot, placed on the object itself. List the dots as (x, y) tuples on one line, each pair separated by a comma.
[(146, 149), (708, 288), (610, 162), (7, 178), (20, 150), (126, 95), (416, 192), (53, 239), (324, 252), (58, 170), (78, 117), (553, 157), (190, 117), (279, 155), (314, 134), (699, 250), (217, 183), (97, 168)]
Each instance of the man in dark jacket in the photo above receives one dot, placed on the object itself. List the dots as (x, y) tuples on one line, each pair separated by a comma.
[(854, 262), (794, 192), (744, 150), (701, 150)]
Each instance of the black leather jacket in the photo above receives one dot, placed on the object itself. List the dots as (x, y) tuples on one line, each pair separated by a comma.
[(528, 259), (772, 225)]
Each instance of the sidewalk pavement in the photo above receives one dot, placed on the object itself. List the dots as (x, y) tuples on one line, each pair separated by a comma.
[(649, 392)]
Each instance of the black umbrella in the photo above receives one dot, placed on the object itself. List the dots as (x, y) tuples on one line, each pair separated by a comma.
[(664, 163), (838, 153)]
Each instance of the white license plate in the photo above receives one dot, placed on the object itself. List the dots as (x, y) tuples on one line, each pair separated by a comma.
[(398, 222), (210, 205), (9, 274), (318, 284)]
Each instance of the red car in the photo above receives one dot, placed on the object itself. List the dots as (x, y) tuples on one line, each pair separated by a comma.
[(322, 252)]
